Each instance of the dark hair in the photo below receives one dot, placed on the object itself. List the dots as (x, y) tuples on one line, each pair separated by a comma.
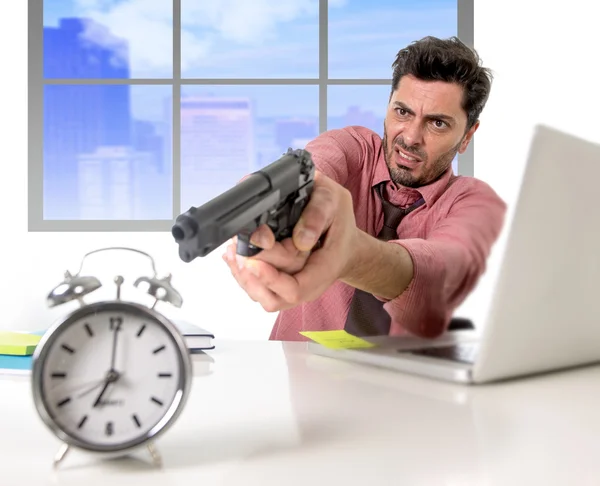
[(449, 60)]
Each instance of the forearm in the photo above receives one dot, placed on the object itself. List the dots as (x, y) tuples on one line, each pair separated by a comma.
[(379, 268), (420, 282)]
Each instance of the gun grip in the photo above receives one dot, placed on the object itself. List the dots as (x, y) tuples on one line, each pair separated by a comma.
[(245, 248)]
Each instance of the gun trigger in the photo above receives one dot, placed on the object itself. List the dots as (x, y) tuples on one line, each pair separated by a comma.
[(245, 248)]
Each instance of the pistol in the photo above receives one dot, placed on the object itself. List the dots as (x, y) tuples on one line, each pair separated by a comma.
[(275, 195)]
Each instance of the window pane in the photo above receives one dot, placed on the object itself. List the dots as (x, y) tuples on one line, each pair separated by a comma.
[(230, 131), (107, 152), (360, 105), (108, 39), (357, 105), (364, 37), (244, 38)]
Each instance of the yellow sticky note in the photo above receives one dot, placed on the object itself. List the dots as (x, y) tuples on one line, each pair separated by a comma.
[(18, 343), (338, 339)]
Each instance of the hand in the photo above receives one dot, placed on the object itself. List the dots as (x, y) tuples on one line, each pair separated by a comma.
[(293, 271), (102, 392), (92, 388), (111, 377)]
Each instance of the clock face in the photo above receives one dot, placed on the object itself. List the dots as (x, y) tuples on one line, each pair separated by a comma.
[(111, 376)]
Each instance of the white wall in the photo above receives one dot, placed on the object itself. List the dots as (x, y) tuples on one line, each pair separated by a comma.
[(546, 70)]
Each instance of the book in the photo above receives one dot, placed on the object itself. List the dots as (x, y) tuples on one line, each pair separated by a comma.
[(17, 347), (21, 365), (196, 337), (17, 343), (15, 364)]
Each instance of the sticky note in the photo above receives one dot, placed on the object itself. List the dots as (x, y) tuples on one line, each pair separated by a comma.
[(18, 343), (338, 339)]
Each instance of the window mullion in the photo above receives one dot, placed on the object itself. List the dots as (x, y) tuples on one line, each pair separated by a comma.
[(323, 63), (176, 107)]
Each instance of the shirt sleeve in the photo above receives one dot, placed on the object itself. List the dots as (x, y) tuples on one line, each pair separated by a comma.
[(448, 262), (340, 154)]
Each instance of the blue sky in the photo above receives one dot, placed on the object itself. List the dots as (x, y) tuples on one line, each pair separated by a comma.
[(266, 38)]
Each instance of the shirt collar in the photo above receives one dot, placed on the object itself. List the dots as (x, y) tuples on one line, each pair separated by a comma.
[(402, 196)]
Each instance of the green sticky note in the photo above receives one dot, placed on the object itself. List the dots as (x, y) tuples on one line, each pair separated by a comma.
[(18, 343), (338, 339)]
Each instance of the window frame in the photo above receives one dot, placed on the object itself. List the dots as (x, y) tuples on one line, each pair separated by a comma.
[(36, 83)]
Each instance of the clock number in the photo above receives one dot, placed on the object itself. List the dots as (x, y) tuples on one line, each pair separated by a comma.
[(116, 322), (109, 428)]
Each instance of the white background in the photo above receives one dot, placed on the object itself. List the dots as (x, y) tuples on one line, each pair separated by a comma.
[(546, 65)]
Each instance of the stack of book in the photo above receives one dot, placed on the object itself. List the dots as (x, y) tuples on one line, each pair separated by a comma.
[(17, 348)]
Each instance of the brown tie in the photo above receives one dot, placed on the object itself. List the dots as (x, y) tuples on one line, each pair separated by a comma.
[(366, 316)]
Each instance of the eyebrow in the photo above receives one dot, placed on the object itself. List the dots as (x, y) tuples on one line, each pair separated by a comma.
[(431, 116)]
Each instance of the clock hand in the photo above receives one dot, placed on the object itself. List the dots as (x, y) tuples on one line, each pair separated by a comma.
[(99, 383), (112, 374), (97, 402), (111, 377), (114, 348)]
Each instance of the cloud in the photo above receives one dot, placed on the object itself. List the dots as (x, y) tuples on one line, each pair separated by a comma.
[(243, 21), (208, 27)]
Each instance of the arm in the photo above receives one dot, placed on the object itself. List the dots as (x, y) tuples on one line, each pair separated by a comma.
[(422, 281), (341, 153)]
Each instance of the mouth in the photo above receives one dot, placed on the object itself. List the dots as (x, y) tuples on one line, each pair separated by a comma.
[(406, 160)]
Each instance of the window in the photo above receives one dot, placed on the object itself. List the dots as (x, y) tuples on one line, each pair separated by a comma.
[(139, 110)]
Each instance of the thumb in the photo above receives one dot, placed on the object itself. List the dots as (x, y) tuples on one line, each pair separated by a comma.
[(318, 214)]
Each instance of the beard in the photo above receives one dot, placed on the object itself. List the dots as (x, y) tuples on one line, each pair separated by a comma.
[(403, 176)]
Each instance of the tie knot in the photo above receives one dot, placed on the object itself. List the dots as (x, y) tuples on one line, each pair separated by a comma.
[(392, 215)]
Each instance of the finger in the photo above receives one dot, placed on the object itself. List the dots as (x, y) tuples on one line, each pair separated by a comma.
[(253, 287), (244, 178), (231, 255), (323, 267), (280, 283), (263, 237), (318, 214), (284, 256), (258, 292), (315, 277)]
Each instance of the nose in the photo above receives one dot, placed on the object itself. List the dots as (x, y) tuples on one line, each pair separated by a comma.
[(412, 133)]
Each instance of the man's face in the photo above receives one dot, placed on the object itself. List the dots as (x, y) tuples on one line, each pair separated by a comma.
[(424, 128)]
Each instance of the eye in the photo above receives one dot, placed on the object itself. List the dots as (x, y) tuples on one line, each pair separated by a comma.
[(439, 124), (401, 111)]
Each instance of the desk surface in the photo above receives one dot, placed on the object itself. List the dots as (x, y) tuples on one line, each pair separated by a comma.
[(270, 413)]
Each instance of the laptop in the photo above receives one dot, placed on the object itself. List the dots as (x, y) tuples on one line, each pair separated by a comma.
[(545, 309)]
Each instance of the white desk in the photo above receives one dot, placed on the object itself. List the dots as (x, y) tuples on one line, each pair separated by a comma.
[(272, 414)]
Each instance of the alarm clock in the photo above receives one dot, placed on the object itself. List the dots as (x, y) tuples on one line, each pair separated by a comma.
[(113, 375)]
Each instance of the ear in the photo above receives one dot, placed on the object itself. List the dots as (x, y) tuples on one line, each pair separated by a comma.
[(467, 138)]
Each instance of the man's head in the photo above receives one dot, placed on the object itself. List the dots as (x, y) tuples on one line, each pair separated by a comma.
[(438, 92)]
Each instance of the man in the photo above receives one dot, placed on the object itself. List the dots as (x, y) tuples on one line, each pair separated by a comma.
[(338, 271)]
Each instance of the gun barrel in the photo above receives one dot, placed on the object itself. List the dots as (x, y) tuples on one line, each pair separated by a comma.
[(204, 223), (238, 210)]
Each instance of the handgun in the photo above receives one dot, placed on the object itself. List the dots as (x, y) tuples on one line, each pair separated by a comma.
[(275, 195)]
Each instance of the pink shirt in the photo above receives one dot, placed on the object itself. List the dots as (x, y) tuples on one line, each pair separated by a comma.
[(449, 238)]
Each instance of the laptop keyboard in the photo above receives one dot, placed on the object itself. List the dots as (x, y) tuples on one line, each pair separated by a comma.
[(463, 353)]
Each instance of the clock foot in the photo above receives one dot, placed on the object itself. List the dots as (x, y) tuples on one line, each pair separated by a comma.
[(60, 455), (155, 455)]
